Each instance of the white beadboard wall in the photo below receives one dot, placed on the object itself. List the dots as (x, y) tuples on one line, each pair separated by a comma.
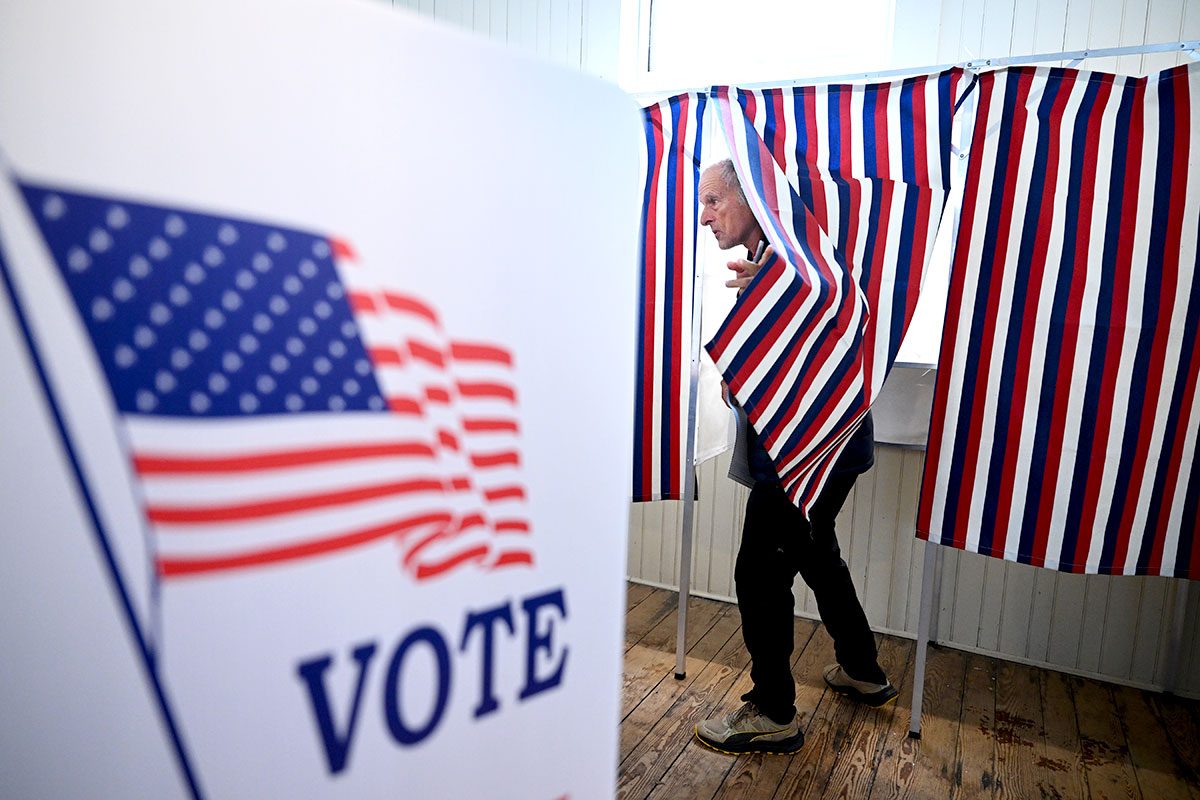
[(1116, 628), (944, 31), (584, 34)]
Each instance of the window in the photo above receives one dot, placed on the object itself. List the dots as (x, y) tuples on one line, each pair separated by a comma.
[(693, 44), (696, 43)]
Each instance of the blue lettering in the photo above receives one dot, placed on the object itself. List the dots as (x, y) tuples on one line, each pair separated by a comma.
[(337, 746), (537, 641), (545, 665), (486, 621), (391, 697)]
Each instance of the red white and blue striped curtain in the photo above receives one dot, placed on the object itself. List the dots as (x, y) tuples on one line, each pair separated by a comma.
[(673, 139), (1066, 409), (849, 183)]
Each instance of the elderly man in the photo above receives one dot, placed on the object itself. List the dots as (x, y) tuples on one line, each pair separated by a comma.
[(778, 542)]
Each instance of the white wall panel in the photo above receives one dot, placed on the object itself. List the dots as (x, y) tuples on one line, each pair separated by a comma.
[(1050, 27), (1037, 645), (576, 33), (970, 29)]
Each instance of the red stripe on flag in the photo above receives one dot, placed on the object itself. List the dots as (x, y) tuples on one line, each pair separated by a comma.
[(484, 390), (165, 464), (404, 405), (476, 553), (385, 356), (411, 305), (422, 351), (480, 425), (177, 566), (437, 394), (467, 351), (504, 493), (361, 302), (513, 557), (448, 440), (235, 512), (416, 549), (342, 249), (511, 526), (420, 545), (490, 460), (473, 520)]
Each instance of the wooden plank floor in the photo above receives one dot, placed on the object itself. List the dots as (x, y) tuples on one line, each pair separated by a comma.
[(991, 728)]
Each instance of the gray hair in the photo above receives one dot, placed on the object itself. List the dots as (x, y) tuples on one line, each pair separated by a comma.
[(727, 173)]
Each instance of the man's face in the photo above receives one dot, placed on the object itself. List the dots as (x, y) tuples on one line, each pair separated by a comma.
[(723, 210)]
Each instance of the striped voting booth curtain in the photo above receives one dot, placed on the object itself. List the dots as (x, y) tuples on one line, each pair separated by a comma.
[(673, 138), (1066, 410), (849, 183)]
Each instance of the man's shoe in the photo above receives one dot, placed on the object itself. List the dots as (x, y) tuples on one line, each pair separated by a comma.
[(748, 730), (873, 694)]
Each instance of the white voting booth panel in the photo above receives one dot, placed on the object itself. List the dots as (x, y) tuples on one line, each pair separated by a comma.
[(444, 169)]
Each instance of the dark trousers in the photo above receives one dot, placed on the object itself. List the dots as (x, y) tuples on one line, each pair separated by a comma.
[(777, 542)]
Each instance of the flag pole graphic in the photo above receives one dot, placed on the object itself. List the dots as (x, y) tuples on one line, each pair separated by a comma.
[(146, 654)]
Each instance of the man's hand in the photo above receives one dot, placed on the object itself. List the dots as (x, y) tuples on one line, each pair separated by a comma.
[(745, 270)]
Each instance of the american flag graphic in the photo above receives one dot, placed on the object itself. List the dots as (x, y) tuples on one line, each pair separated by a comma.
[(674, 134), (849, 183), (1066, 409), (280, 402)]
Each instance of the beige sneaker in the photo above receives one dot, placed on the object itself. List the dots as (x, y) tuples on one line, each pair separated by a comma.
[(748, 730), (873, 694)]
